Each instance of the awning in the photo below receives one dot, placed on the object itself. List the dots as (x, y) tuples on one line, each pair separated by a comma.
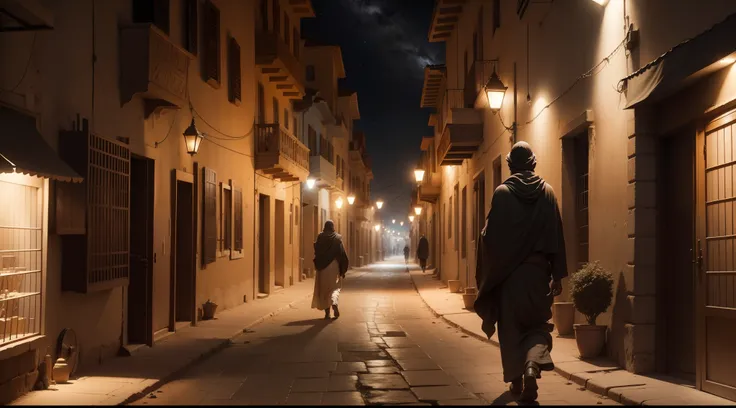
[(691, 58), (23, 150)]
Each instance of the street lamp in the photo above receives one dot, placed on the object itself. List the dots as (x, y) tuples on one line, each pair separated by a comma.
[(393, 221), (411, 218), (310, 183), (338, 203), (351, 199), (193, 138), (379, 204), (377, 227), (418, 210), (401, 223), (419, 175), (495, 91)]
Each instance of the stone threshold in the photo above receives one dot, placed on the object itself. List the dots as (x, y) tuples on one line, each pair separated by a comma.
[(601, 376), (121, 380)]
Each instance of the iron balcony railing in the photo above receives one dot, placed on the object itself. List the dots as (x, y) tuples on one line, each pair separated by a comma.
[(272, 138)]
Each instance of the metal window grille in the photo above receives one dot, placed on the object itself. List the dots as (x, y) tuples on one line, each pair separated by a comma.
[(21, 267)]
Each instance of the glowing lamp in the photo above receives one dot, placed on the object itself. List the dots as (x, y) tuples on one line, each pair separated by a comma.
[(411, 218), (193, 138), (418, 210), (393, 221), (401, 223), (310, 183), (351, 199), (338, 203), (379, 204), (419, 175), (377, 227), (495, 91)]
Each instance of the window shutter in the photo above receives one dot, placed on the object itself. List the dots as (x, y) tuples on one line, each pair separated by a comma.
[(211, 32), (209, 217), (234, 79), (297, 44), (238, 218), (287, 25), (192, 23)]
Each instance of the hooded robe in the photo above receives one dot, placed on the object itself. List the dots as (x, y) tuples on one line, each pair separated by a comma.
[(331, 262), (519, 251)]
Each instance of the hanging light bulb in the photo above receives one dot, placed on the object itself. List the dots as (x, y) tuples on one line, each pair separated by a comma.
[(193, 138), (495, 91)]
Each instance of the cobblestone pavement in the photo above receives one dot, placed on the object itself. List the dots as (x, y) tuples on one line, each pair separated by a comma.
[(386, 348)]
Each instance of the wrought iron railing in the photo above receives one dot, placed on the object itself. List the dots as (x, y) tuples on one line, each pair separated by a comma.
[(272, 138)]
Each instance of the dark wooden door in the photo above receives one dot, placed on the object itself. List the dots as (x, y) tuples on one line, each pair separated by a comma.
[(185, 267), (140, 289), (716, 256), (264, 236)]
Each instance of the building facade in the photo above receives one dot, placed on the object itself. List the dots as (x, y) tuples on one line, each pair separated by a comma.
[(628, 107), (131, 231)]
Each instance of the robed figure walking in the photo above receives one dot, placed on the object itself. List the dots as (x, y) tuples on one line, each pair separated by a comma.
[(331, 263), (521, 262), (423, 252)]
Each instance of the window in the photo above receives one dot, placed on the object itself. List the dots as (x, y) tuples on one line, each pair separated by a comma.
[(449, 221), (225, 220), (237, 222), (444, 214), (264, 15), (310, 73), (297, 43), (286, 118), (287, 32), (479, 198), (581, 191), (235, 87), (155, 12), (261, 104), (211, 43), (209, 217), (275, 110), (496, 16), (312, 136), (190, 27), (456, 214), (464, 223), (276, 16), (21, 245)]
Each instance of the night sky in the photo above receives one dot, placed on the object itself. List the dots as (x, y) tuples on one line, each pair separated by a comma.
[(385, 49)]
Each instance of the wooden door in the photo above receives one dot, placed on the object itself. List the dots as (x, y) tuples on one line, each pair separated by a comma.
[(184, 236), (716, 258), (140, 288)]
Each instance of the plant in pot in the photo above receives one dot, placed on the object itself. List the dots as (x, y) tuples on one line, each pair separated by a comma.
[(591, 289)]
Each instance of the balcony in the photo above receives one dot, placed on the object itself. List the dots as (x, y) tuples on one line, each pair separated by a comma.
[(461, 128), (279, 65), (153, 67), (323, 171), (429, 188), (280, 154)]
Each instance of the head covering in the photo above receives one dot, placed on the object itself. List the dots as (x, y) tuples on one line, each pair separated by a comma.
[(521, 157), (329, 226)]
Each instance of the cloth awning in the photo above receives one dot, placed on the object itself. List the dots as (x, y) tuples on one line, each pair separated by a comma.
[(670, 71), (23, 150)]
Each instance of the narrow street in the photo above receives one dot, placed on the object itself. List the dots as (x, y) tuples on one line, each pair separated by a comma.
[(386, 348)]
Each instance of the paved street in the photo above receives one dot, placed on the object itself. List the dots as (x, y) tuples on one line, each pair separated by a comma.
[(386, 348)]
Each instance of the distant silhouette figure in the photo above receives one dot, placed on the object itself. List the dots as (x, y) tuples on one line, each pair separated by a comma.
[(406, 254), (423, 252)]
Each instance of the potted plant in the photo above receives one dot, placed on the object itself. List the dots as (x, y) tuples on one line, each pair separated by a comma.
[(469, 297), (591, 289), (563, 316), (208, 310)]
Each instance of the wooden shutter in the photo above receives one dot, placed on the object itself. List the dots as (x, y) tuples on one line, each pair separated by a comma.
[(287, 36), (209, 217), (234, 80), (297, 44), (211, 33), (192, 21), (238, 218)]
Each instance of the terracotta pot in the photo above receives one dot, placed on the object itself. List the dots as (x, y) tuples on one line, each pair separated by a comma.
[(208, 311), (61, 371), (454, 286), (469, 300), (563, 315), (471, 291), (590, 339)]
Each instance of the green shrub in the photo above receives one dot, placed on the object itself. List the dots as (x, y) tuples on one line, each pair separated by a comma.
[(592, 290)]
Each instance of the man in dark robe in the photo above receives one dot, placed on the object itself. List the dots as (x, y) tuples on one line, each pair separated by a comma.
[(331, 262), (423, 252), (521, 262)]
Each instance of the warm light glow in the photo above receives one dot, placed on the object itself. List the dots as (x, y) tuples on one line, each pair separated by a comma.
[(495, 91), (310, 183), (377, 227), (728, 60), (393, 221), (379, 204), (351, 199), (419, 175), (418, 210), (411, 218), (601, 2), (401, 223), (193, 138), (338, 203)]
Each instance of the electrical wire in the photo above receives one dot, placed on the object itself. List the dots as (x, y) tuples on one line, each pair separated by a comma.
[(173, 122), (227, 136), (226, 148), (25, 70)]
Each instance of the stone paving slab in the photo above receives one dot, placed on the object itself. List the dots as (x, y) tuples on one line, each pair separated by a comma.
[(601, 376), (122, 379)]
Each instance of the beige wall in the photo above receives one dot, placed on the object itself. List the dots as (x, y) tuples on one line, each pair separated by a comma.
[(568, 38)]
